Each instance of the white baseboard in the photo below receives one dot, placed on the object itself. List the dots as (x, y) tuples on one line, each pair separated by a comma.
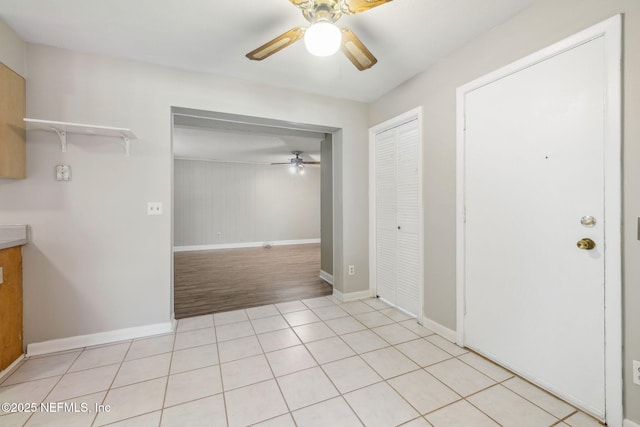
[(80, 341), (326, 277), (352, 296), (337, 295), (439, 329), (244, 245), (628, 423), (10, 368)]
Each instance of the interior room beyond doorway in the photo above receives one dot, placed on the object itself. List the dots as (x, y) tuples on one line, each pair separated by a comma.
[(253, 212)]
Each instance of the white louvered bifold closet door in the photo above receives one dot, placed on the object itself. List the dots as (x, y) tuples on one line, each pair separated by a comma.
[(397, 173), (386, 224)]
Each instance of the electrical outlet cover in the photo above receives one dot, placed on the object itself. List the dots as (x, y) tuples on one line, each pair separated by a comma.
[(154, 208), (636, 372), (63, 173)]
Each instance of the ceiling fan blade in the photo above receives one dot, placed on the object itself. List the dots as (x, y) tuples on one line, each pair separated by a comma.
[(287, 163), (357, 53), (351, 7), (311, 163), (277, 44)]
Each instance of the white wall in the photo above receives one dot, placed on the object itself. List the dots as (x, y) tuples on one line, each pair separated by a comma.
[(217, 203), (13, 50), (96, 262), (545, 22)]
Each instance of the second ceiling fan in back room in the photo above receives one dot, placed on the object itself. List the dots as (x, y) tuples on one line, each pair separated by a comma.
[(296, 164), (323, 37)]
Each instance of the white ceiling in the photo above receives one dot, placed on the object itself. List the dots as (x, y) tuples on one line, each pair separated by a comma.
[(407, 36), (208, 135), (227, 141), (192, 143)]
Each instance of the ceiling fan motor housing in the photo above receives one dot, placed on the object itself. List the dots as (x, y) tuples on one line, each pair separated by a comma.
[(323, 10), (296, 160)]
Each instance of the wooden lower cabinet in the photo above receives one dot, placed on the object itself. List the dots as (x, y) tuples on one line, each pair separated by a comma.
[(10, 306)]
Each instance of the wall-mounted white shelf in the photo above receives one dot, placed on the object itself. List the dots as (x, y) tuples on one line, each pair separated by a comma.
[(62, 128)]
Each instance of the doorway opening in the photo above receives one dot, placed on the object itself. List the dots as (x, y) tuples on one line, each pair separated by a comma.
[(252, 224)]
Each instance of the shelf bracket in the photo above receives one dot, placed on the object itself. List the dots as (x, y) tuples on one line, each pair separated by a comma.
[(63, 138), (125, 144), (122, 136)]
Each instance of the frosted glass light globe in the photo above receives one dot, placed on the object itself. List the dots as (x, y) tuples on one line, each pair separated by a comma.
[(323, 39)]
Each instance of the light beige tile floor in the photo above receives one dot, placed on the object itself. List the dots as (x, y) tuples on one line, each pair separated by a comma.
[(314, 362)]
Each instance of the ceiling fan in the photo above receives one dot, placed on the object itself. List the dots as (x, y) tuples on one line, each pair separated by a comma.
[(323, 37), (296, 164)]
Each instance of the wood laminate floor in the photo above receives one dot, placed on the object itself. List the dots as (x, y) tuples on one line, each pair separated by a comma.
[(229, 279)]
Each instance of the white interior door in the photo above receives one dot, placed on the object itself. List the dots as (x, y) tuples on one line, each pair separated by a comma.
[(386, 215), (408, 273), (533, 168), (398, 249)]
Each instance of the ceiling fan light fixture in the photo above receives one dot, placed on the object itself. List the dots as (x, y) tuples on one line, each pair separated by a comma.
[(323, 38), (297, 167)]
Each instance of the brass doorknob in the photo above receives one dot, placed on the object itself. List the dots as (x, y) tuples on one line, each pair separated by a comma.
[(586, 244)]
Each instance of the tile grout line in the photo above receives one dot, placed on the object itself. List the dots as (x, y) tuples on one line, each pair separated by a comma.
[(55, 385), (290, 412), (482, 412), (319, 365), (174, 334), (514, 375), (139, 382), (166, 383), (340, 394), (420, 368), (224, 397), (359, 355), (565, 418), (304, 344)]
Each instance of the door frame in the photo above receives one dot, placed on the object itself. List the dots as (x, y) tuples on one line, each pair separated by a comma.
[(414, 114), (611, 32), (336, 213)]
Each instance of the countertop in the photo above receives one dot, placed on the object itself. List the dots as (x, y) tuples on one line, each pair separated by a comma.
[(12, 235)]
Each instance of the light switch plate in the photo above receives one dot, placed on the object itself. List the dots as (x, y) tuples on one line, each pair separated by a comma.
[(1, 276), (63, 173)]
